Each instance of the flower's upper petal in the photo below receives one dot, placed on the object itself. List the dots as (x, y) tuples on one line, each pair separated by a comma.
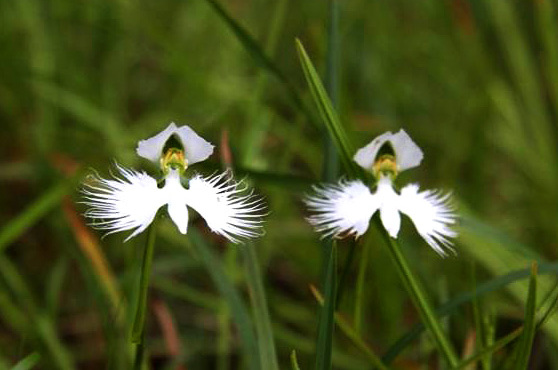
[(344, 208), (407, 153), (123, 203), (196, 149), (219, 201), (432, 215), (366, 156), (389, 208)]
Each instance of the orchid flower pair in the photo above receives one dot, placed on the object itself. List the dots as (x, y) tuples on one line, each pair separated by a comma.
[(131, 201)]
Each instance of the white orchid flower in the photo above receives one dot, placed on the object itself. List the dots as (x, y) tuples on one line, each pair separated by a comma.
[(347, 207), (131, 199)]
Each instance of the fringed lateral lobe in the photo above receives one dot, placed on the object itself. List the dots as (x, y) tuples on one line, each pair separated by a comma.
[(219, 200), (130, 202), (347, 207)]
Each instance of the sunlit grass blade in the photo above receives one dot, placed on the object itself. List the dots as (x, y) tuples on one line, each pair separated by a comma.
[(145, 272), (294, 361), (324, 340), (351, 333), (231, 295), (523, 349), (35, 211), (29, 362), (327, 112), (268, 356), (421, 303)]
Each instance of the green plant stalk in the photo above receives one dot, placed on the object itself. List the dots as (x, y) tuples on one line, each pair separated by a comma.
[(489, 350), (324, 340), (526, 342), (421, 303), (294, 361), (268, 355), (141, 303)]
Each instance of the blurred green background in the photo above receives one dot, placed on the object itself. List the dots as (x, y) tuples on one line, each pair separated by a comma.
[(475, 84)]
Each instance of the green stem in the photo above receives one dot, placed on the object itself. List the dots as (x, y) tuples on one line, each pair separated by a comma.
[(141, 303), (421, 303)]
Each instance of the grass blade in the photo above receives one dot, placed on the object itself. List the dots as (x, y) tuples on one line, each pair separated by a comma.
[(268, 355), (327, 112), (28, 362), (526, 341), (294, 361), (324, 340)]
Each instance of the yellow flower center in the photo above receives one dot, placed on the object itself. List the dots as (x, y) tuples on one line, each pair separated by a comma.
[(174, 158), (385, 165)]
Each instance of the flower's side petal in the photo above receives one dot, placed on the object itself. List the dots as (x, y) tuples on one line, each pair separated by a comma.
[(365, 156), (389, 207), (128, 202), (220, 201), (432, 214), (407, 153), (342, 209), (152, 148), (196, 148)]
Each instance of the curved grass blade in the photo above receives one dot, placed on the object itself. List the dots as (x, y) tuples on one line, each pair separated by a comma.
[(294, 361), (259, 55)]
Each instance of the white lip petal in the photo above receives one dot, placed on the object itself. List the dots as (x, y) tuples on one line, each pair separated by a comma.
[(431, 214), (342, 209), (179, 215), (196, 149), (407, 153), (219, 200), (125, 203), (389, 208)]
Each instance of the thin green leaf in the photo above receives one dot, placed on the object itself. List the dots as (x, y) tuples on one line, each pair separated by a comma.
[(526, 341), (28, 362), (225, 286), (324, 340), (268, 356), (327, 112)]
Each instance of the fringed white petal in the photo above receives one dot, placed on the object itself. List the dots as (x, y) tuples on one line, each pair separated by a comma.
[(342, 209), (432, 214), (225, 208), (176, 206), (389, 206), (128, 202), (407, 153), (196, 149)]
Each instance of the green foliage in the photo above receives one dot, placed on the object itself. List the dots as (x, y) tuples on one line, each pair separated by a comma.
[(475, 83)]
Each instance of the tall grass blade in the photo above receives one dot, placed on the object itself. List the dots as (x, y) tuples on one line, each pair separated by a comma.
[(268, 355), (327, 113), (523, 351), (29, 362), (294, 361), (324, 340)]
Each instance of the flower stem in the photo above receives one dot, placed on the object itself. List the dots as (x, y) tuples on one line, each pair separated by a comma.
[(421, 303), (141, 303)]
